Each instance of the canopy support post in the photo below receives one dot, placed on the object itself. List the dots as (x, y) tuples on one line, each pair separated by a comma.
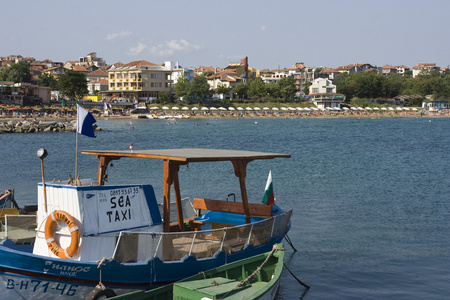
[(240, 170), (171, 169), (103, 162)]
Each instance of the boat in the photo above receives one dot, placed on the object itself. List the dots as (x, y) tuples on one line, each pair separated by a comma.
[(256, 277), (113, 239)]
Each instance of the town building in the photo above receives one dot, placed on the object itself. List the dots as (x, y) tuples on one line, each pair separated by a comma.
[(97, 81), (323, 94), (424, 68), (141, 80), (91, 60)]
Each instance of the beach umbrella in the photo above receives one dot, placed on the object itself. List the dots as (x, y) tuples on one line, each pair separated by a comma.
[(240, 108), (414, 109), (322, 109), (299, 108), (194, 108), (213, 108), (368, 108), (314, 108), (399, 108), (383, 108), (390, 108), (165, 107), (275, 108), (360, 108), (284, 108), (231, 108), (345, 108), (185, 108), (257, 108), (376, 108), (248, 108), (175, 108), (405, 108), (291, 108), (307, 109), (266, 108), (205, 108), (222, 108), (337, 108)]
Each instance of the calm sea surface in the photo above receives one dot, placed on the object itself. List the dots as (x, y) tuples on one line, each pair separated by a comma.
[(371, 197)]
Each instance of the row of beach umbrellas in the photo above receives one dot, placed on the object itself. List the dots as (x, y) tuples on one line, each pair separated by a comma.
[(204, 108)]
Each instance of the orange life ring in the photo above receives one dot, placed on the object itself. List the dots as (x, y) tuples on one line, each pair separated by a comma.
[(52, 219)]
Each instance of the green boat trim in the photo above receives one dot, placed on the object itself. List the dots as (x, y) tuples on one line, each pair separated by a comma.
[(249, 278)]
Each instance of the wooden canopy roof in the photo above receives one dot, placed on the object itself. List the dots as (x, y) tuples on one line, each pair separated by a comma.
[(188, 154), (173, 158)]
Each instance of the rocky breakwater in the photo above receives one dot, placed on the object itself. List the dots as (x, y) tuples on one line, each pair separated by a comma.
[(25, 126)]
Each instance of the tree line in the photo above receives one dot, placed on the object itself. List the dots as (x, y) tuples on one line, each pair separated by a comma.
[(373, 85), (72, 83), (255, 90)]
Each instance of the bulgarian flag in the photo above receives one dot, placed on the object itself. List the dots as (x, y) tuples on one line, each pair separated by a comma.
[(268, 198)]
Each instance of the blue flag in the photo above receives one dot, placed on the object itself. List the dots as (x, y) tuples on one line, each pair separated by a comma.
[(85, 120)]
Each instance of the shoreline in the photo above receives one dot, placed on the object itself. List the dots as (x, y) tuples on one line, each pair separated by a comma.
[(372, 115)]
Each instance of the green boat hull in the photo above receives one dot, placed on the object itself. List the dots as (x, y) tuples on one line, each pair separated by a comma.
[(224, 282)]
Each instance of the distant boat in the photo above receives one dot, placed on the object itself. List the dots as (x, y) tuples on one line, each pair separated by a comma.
[(256, 277)]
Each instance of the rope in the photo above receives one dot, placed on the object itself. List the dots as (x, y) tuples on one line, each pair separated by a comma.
[(275, 248)]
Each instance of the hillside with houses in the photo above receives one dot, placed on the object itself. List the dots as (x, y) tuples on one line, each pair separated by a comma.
[(144, 81)]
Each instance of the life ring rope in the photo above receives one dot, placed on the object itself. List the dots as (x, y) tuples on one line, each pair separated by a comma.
[(60, 215)]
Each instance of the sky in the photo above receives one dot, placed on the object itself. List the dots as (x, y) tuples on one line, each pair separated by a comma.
[(272, 34)]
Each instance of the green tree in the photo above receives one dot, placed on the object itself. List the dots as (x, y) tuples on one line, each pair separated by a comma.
[(73, 84), (48, 80), (163, 96), (368, 85), (257, 88), (392, 86), (345, 84), (273, 90), (199, 88), (287, 87), (181, 88), (241, 90), (17, 72), (306, 88), (4, 74), (222, 89)]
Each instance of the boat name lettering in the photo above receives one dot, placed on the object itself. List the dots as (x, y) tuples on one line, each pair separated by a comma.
[(119, 202), (68, 268), (39, 286), (123, 215)]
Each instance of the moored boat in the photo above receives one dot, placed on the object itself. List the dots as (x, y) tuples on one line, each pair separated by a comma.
[(256, 277), (89, 232)]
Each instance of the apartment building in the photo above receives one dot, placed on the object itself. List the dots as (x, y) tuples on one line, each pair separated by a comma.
[(323, 94), (140, 80)]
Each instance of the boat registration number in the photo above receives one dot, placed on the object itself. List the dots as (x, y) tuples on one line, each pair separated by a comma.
[(39, 286)]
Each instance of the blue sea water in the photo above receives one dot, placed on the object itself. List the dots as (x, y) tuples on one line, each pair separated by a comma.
[(370, 196)]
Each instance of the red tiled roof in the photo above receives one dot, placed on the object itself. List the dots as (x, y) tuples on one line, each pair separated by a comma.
[(98, 73), (139, 63)]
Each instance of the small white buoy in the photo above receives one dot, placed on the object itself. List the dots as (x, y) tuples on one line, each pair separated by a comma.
[(256, 122)]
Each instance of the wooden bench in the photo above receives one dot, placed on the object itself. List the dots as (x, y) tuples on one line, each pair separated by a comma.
[(259, 210)]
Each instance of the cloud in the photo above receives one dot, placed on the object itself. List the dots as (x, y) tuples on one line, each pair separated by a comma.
[(138, 49), (172, 46), (113, 36)]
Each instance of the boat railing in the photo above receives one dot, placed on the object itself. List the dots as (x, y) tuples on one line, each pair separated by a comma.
[(135, 246), (20, 228)]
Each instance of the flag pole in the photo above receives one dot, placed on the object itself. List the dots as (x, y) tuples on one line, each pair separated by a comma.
[(76, 152), (76, 145)]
